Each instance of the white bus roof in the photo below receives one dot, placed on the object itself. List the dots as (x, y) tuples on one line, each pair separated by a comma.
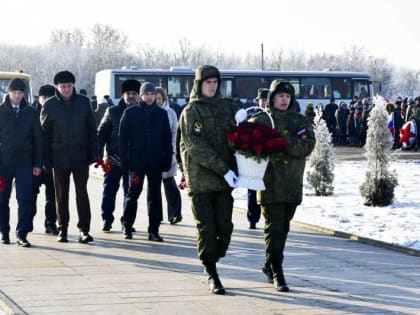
[(223, 72)]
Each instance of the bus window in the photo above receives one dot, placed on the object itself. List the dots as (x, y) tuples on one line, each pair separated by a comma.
[(226, 88), (360, 88), (156, 80), (315, 87), (341, 88), (179, 86), (247, 87)]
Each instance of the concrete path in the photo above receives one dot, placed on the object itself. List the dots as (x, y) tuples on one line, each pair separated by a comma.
[(115, 276)]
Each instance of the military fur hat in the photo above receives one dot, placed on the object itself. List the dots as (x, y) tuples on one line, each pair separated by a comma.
[(17, 85), (131, 86), (262, 93), (205, 72), (64, 77), (278, 86)]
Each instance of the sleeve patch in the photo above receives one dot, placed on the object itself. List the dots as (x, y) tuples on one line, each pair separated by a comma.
[(198, 127)]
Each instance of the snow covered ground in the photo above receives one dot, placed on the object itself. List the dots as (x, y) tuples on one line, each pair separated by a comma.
[(344, 211)]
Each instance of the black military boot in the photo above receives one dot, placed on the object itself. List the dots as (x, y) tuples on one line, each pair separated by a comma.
[(215, 285), (266, 269), (62, 235), (278, 278)]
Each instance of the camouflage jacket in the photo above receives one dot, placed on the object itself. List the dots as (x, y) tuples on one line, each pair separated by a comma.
[(284, 179), (205, 153)]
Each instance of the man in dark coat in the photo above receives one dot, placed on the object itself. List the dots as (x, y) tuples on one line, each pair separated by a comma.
[(46, 177), (20, 158), (69, 129), (145, 150), (108, 138)]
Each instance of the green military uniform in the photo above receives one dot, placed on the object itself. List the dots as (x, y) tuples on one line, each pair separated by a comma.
[(284, 180), (207, 157)]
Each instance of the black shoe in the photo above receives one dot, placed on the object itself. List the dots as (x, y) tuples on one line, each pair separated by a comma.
[(23, 242), (51, 229), (5, 239), (133, 230), (85, 238), (175, 220), (62, 236), (127, 233), (278, 279), (252, 226), (107, 227), (215, 286), (266, 269), (155, 237)]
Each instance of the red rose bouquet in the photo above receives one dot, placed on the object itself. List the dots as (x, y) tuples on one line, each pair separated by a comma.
[(254, 145), (257, 141)]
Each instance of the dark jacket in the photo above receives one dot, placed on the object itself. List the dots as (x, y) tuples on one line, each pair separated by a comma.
[(108, 130), (204, 125), (20, 137), (69, 131), (145, 138)]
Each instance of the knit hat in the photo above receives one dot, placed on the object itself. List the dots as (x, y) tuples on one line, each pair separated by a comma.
[(262, 93), (17, 85), (147, 87), (130, 86), (46, 90), (64, 77)]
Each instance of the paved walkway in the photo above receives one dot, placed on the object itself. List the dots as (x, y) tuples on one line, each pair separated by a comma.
[(115, 276)]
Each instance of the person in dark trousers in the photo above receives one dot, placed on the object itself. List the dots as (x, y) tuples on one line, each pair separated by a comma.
[(46, 177), (145, 150), (209, 166), (254, 210), (173, 196), (283, 180), (69, 130), (108, 138), (20, 159)]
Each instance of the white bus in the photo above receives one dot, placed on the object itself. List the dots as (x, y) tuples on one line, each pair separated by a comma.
[(310, 86)]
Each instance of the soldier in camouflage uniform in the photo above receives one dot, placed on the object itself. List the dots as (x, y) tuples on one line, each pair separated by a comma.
[(208, 164), (283, 180)]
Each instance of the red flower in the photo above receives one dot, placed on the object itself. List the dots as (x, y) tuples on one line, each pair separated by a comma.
[(244, 146), (258, 141), (258, 148), (136, 179), (2, 183)]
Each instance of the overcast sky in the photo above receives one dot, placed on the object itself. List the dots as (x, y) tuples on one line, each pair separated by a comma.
[(387, 28)]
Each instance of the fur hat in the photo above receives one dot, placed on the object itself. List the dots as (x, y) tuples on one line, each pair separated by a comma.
[(17, 85), (147, 87), (46, 90), (278, 86), (262, 93), (130, 86), (64, 77)]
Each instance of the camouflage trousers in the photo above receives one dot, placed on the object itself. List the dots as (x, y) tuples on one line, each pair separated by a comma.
[(277, 226), (213, 215)]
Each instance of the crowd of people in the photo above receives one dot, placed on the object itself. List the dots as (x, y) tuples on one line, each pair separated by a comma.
[(143, 136), (348, 123)]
